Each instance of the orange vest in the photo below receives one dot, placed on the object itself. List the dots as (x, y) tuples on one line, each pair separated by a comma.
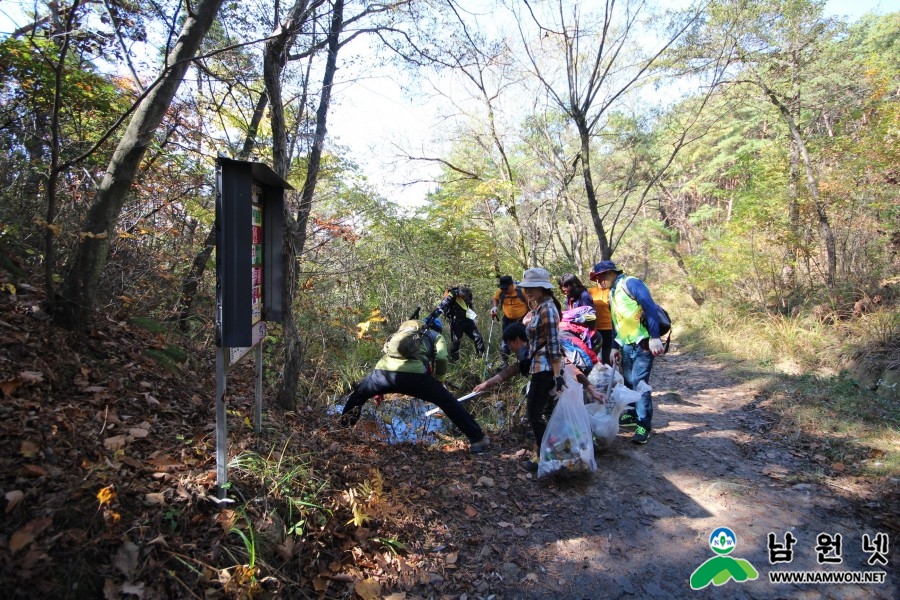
[(601, 307)]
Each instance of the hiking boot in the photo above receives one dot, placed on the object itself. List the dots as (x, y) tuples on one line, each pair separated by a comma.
[(627, 420), (531, 465), (641, 435), (480, 446)]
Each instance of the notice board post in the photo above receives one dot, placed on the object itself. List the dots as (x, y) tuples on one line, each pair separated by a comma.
[(249, 257)]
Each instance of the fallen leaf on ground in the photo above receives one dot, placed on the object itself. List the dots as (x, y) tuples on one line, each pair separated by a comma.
[(320, 584), (9, 387), (31, 376), (21, 538), (13, 498), (154, 498), (33, 471), (114, 443), (127, 558), (27, 534), (133, 589), (368, 589), (28, 449)]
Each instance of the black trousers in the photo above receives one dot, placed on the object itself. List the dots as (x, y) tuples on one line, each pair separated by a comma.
[(540, 403), (418, 385), (458, 328)]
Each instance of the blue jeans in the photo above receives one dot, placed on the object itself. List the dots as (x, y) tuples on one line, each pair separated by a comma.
[(636, 365)]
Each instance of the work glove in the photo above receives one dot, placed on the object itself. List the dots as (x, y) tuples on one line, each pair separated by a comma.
[(656, 347), (494, 312), (560, 383), (615, 357)]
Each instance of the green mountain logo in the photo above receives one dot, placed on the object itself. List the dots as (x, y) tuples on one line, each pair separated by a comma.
[(719, 570)]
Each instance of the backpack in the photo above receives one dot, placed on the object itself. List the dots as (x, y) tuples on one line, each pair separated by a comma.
[(407, 343), (518, 293)]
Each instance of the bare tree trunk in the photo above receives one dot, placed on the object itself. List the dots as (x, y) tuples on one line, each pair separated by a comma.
[(789, 271), (812, 183), (73, 307), (696, 295), (273, 66), (296, 238), (602, 240)]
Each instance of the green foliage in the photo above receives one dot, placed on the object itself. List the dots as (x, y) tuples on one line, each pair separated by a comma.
[(165, 358), (29, 80), (150, 324), (289, 484)]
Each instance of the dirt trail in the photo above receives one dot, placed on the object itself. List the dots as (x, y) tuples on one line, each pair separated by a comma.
[(640, 526)]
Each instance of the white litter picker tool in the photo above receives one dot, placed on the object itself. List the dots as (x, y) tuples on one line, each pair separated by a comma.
[(463, 399)]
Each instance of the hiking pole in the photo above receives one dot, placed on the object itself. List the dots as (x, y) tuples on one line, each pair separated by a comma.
[(612, 381)]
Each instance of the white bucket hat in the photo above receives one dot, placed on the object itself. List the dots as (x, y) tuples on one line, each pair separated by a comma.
[(536, 277)]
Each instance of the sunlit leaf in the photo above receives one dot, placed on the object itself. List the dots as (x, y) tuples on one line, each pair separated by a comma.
[(106, 495), (368, 589)]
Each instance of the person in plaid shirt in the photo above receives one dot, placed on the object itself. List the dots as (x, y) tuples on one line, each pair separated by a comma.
[(542, 326)]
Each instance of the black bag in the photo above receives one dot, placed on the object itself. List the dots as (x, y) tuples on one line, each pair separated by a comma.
[(665, 323)]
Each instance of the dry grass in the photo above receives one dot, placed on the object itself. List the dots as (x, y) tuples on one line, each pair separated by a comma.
[(812, 372)]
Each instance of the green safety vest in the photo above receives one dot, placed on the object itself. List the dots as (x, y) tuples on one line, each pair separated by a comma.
[(626, 314)]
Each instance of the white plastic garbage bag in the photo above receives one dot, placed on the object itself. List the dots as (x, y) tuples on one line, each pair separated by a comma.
[(600, 374), (605, 420), (622, 394), (567, 445), (605, 417)]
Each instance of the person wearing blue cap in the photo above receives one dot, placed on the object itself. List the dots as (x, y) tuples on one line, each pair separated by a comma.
[(634, 344)]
